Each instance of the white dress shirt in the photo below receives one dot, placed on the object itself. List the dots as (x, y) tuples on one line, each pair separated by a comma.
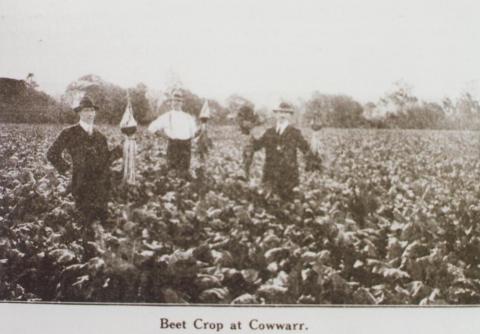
[(281, 127), (176, 125), (87, 127)]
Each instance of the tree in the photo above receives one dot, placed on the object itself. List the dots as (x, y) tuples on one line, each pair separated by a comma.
[(448, 106), (235, 102), (467, 112), (111, 99), (400, 108), (21, 102), (220, 113), (30, 81), (402, 96), (140, 104), (425, 115), (334, 111)]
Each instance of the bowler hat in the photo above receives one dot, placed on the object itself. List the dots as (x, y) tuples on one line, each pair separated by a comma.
[(86, 102), (284, 107)]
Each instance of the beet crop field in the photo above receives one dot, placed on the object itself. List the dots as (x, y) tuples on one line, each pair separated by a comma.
[(394, 218)]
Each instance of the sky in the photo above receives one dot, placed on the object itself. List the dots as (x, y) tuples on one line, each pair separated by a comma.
[(264, 50)]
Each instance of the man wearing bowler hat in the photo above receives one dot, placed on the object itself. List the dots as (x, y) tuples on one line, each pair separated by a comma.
[(179, 128), (281, 142), (91, 160)]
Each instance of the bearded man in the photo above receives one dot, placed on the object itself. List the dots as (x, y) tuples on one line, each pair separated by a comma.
[(281, 143)]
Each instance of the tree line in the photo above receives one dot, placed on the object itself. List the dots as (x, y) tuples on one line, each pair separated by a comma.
[(22, 101), (397, 109)]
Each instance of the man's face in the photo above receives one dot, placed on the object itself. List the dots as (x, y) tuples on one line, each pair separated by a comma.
[(176, 104), (282, 117), (87, 115)]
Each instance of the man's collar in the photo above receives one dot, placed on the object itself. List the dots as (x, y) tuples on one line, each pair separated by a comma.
[(280, 127), (177, 111), (87, 127)]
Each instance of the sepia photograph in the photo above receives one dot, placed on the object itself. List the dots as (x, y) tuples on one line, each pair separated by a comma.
[(294, 154)]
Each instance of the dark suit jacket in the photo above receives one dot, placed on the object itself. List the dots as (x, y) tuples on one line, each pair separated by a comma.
[(91, 160), (281, 165)]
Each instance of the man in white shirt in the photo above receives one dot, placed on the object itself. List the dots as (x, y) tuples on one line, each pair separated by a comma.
[(179, 128)]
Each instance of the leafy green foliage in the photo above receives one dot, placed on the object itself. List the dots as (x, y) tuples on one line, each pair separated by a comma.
[(393, 220)]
